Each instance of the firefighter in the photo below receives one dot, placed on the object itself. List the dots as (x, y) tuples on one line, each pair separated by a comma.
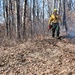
[(54, 21)]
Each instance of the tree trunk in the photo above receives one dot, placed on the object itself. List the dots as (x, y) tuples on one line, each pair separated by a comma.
[(10, 18), (49, 9), (43, 18), (18, 19), (37, 9), (59, 6), (31, 16), (4, 11), (54, 4), (7, 18), (34, 26), (15, 17), (64, 16), (69, 4), (24, 26)]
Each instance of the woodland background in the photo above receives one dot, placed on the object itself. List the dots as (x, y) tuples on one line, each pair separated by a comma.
[(28, 18)]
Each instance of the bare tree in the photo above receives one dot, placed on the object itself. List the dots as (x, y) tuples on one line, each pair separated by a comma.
[(7, 17), (34, 30), (31, 15), (64, 15), (10, 18), (18, 18), (49, 8), (43, 17), (24, 27), (69, 4)]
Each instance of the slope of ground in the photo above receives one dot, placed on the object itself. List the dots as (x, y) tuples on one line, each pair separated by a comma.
[(39, 57)]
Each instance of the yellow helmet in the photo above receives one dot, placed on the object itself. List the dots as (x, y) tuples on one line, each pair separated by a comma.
[(55, 10)]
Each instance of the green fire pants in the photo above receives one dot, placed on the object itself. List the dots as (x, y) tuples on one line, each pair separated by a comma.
[(55, 28)]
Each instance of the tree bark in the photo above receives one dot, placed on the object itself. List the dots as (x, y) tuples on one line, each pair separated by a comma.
[(43, 18), (7, 18), (10, 18), (15, 17), (34, 26), (64, 16), (31, 16), (18, 19), (24, 26), (69, 4)]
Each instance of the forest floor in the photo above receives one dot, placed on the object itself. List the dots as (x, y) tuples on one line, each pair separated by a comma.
[(45, 56), (42, 56)]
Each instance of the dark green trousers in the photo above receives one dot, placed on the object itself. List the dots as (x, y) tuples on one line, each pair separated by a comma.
[(55, 28)]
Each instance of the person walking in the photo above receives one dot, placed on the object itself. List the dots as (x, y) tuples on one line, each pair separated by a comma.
[(54, 23)]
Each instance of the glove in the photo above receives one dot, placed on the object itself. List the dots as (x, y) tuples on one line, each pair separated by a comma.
[(49, 27)]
